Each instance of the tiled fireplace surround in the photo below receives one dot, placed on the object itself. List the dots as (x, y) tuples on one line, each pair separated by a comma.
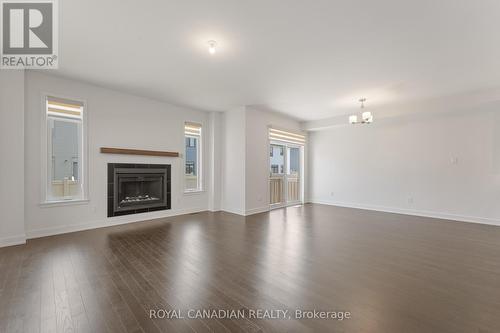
[(138, 188)]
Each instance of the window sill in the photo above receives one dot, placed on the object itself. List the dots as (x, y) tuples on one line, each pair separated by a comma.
[(193, 192), (57, 203)]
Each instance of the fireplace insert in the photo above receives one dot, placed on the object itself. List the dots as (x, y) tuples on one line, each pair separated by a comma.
[(138, 188)]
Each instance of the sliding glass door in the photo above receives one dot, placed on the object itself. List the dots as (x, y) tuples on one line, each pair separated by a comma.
[(292, 175), (277, 174), (285, 174)]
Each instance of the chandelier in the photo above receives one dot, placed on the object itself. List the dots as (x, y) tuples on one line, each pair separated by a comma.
[(366, 116)]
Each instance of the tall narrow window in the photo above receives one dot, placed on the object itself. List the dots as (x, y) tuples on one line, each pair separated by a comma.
[(192, 139), (65, 143)]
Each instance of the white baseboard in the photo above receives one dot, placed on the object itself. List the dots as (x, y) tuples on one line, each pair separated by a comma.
[(119, 220), (436, 215), (111, 221), (12, 240), (233, 211), (247, 212), (257, 210)]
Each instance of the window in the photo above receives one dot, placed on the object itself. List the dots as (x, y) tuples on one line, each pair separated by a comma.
[(190, 168), (193, 162), (65, 147), (293, 161), (190, 142), (277, 160)]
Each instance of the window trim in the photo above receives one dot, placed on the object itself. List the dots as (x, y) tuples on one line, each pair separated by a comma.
[(199, 158), (45, 198)]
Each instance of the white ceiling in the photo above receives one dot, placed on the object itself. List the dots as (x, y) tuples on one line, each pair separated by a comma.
[(310, 59)]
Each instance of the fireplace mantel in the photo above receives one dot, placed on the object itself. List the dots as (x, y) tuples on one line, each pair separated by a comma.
[(107, 150)]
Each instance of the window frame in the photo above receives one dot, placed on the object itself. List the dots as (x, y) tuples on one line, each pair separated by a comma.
[(47, 199), (199, 158)]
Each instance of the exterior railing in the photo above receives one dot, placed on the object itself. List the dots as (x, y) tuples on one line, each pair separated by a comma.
[(293, 189), (276, 189), (65, 188), (191, 181)]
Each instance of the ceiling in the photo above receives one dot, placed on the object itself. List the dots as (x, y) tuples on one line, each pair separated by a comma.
[(308, 59)]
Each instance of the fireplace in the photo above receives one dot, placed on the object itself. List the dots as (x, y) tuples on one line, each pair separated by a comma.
[(138, 188)]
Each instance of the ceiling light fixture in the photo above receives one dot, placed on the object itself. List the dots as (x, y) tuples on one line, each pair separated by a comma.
[(211, 46), (366, 116)]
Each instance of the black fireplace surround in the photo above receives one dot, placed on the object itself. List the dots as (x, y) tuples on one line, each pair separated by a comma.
[(138, 188)]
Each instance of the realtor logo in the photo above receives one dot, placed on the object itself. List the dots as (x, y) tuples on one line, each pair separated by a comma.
[(29, 34)]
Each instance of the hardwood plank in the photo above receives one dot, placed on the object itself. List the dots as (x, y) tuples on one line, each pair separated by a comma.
[(88, 270), (394, 273), (160, 283), (47, 302), (64, 322), (146, 294)]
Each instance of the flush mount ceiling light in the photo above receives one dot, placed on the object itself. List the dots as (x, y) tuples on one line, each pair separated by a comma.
[(366, 116), (212, 44)]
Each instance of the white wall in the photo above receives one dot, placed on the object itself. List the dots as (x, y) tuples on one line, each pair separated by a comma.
[(257, 155), (235, 152), (245, 170), (215, 160), (442, 164), (233, 156), (114, 120), (12, 157), (435, 164)]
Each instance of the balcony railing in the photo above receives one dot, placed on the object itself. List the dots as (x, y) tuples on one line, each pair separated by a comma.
[(293, 189), (65, 188), (276, 189), (191, 181)]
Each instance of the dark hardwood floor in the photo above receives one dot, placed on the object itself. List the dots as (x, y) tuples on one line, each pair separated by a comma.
[(393, 273)]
